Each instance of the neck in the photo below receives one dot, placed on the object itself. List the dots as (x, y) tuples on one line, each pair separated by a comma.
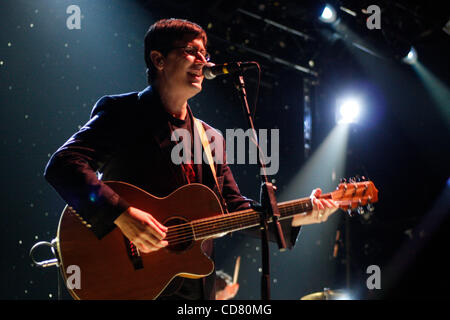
[(173, 103), (217, 225)]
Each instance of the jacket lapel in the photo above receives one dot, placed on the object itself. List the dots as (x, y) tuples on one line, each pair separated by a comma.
[(161, 133)]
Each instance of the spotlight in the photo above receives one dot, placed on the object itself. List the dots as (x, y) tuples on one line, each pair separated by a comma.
[(411, 57), (348, 110), (328, 14)]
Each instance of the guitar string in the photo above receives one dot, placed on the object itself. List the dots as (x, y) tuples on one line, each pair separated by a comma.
[(231, 217), (226, 218), (238, 222), (177, 237), (217, 224), (287, 208), (209, 221), (191, 236), (199, 233), (188, 231)]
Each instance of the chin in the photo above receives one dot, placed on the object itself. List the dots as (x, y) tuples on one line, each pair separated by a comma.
[(196, 86)]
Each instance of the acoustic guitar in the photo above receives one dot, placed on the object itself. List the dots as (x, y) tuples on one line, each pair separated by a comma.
[(113, 268)]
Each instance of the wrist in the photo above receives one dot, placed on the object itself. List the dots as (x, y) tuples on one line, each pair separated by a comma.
[(121, 217)]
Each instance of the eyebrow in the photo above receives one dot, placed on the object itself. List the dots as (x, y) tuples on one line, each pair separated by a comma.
[(199, 49), (193, 44)]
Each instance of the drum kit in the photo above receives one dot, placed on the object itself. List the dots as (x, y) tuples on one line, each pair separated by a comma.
[(224, 280)]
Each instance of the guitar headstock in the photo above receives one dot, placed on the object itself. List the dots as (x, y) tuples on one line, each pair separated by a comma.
[(355, 195)]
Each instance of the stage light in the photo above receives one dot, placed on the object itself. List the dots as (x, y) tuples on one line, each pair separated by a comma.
[(328, 14), (411, 57), (348, 110), (345, 297)]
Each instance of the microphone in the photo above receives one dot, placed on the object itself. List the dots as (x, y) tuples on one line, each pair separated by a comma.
[(211, 70)]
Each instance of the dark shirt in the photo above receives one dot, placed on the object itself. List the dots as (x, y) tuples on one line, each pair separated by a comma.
[(184, 288), (187, 125)]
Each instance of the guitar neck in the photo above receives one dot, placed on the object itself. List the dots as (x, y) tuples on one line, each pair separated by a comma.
[(214, 226), (347, 196)]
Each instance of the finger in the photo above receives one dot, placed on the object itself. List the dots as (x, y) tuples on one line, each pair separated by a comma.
[(322, 203), (158, 224), (154, 230), (317, 192), (162, 244), (150, 241), (318, 204), (141, 247), (327, 203), (333, 203), (333, 206), (145, 217)]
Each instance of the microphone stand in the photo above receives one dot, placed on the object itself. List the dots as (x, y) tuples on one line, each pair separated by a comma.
[(269, 207)]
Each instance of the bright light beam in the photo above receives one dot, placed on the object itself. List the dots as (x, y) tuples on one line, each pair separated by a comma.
[(348, 110), (437, 89), (411, 57), (430, 223), (328, 14), (323, 169)]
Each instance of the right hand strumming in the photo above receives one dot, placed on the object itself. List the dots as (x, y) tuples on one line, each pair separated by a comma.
[(142, 229)]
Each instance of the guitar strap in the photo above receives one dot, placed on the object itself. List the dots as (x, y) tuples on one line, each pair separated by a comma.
[(205, 143)]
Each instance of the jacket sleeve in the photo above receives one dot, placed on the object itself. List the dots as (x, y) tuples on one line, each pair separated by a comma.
[(72, 169), (236, 202)]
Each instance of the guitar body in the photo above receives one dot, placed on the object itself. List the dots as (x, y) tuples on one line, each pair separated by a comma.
[(112, 268), (105, 267)]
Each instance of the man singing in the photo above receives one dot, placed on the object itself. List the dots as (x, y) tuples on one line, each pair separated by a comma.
[(128, 138)]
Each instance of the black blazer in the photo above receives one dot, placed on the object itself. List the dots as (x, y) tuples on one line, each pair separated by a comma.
[(128, 139)]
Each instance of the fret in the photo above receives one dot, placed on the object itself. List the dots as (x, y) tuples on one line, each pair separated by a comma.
[(209, 227)]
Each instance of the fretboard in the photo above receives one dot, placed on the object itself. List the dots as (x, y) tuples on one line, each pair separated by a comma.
[(214, 226)]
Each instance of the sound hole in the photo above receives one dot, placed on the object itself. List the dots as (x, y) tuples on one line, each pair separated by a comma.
[(180, 234)]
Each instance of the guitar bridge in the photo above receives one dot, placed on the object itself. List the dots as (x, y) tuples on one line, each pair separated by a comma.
[(133, 254)]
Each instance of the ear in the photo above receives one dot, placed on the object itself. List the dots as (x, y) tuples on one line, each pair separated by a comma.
[(157, 59)]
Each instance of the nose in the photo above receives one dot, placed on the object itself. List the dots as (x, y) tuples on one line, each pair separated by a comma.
[(201, 57)]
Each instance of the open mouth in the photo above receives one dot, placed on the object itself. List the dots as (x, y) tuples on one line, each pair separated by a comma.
[(197, 76)]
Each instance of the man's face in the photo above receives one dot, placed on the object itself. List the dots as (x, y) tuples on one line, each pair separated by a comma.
[(182, 71)]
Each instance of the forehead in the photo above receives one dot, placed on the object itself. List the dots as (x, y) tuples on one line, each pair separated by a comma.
[(191, 40)]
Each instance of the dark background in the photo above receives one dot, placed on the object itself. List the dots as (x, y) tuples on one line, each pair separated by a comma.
[(51, 76)]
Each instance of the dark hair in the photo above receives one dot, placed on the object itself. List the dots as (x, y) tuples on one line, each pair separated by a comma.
[(162, 35)]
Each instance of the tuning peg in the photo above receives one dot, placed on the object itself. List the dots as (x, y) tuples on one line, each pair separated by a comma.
[(343, 180), (350, 212), (360, 210), (370, 207)]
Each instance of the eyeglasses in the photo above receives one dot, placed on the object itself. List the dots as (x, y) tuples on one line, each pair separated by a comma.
[(194, 51)]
